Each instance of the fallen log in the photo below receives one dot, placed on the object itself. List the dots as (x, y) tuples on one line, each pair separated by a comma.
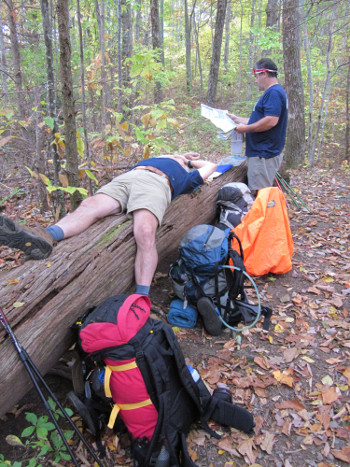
[(41, 299)]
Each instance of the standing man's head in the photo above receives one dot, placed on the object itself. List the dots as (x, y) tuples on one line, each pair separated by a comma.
[(265, 72)]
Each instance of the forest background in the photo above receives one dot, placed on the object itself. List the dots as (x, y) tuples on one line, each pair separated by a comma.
[(88, 87)]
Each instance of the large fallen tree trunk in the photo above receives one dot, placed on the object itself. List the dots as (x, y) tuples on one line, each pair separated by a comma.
[(41, 299)]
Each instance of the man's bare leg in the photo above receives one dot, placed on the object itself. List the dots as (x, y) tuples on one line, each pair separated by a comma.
[(146, 260), (90, 210)]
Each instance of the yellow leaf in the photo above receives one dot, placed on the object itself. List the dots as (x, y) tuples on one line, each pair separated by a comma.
[(278, 328), (270, 339), (327, 380), (125, 126), (13, 281), (176, 329), (221, 451), (49, 265), (308, 359), (328, 279), (18, 304)]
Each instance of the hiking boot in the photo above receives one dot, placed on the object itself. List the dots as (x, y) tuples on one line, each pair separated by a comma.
[(211, 321), (35, 242)]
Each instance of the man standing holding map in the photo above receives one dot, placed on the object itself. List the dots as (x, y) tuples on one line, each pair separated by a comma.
[(266, 127)]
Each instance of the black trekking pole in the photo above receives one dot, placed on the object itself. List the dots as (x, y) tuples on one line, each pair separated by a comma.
[(36, 377)]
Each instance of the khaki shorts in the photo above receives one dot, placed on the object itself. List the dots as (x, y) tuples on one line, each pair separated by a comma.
[(140, 189), (261, 171)]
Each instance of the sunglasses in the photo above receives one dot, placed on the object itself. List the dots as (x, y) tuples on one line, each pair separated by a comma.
[(263, 70)]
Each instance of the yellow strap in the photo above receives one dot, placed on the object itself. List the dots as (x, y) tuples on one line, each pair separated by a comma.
[(106, 385), (127, 366), (113, 416), (118, 407), (108, 373)]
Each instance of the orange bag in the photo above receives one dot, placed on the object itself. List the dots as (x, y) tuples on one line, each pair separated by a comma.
[(265, 235)]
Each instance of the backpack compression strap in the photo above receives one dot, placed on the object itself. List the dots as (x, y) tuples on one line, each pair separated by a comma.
[(117, 407)]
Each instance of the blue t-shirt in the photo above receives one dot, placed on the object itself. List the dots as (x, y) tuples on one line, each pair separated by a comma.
[(182, 181), (270, 143)]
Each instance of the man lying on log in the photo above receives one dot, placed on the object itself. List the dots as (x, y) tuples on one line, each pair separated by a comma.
[(144, 192)]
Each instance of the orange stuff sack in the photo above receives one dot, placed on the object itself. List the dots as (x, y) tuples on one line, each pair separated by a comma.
[(265, 235)]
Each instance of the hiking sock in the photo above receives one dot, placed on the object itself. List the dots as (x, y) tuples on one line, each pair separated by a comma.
[(56, 232), (142, 289)]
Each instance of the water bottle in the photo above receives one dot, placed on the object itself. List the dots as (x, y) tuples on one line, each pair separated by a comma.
[(194, 373), (204, 394), (163, 459)]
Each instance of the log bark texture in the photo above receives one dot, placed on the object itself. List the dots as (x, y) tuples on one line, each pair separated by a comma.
[(42, 299)]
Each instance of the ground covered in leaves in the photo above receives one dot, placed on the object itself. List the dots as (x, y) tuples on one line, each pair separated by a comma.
[(295, 377)]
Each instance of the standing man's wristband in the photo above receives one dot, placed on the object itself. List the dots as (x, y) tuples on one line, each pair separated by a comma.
[(189, 165)]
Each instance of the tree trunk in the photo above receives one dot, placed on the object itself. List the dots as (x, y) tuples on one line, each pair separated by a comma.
[(3, 65), (126, 44), (272, 14), (227, 36), (188, 49), (198, 57), (216, 51), (82, 83), (51, 99), (156, 44), (68, 101), (16, 59), (294, 151), (323, 107), (100, 14), (83, 271)]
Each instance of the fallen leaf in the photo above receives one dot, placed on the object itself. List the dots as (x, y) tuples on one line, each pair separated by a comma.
[(290, 354), (246, 449), (262, 362), (268, 442), (13, 281), (342, 454), (330, 395), (283, 378), (295, 404), (18, 304), (226, 445), (346, 373)]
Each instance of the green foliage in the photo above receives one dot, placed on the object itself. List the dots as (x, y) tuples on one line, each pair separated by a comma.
[(15, 193), (40, 439)]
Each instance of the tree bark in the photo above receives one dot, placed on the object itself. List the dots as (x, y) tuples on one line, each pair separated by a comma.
[(16, 59), (272, 14), (68, 101), (216, 51), (156, 44), (294, 151), (80, 273), (188, 49), (3, 65), (227, 36), (51, 99)]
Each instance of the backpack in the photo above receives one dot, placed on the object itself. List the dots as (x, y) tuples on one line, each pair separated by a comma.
[(265, 235), (202, 270), (233, 202), (148, 382)]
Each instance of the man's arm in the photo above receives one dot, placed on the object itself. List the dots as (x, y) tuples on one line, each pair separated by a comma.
[(264, 124), (205, 168)]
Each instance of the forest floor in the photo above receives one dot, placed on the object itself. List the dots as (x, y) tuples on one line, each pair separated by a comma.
[(294, 378)]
